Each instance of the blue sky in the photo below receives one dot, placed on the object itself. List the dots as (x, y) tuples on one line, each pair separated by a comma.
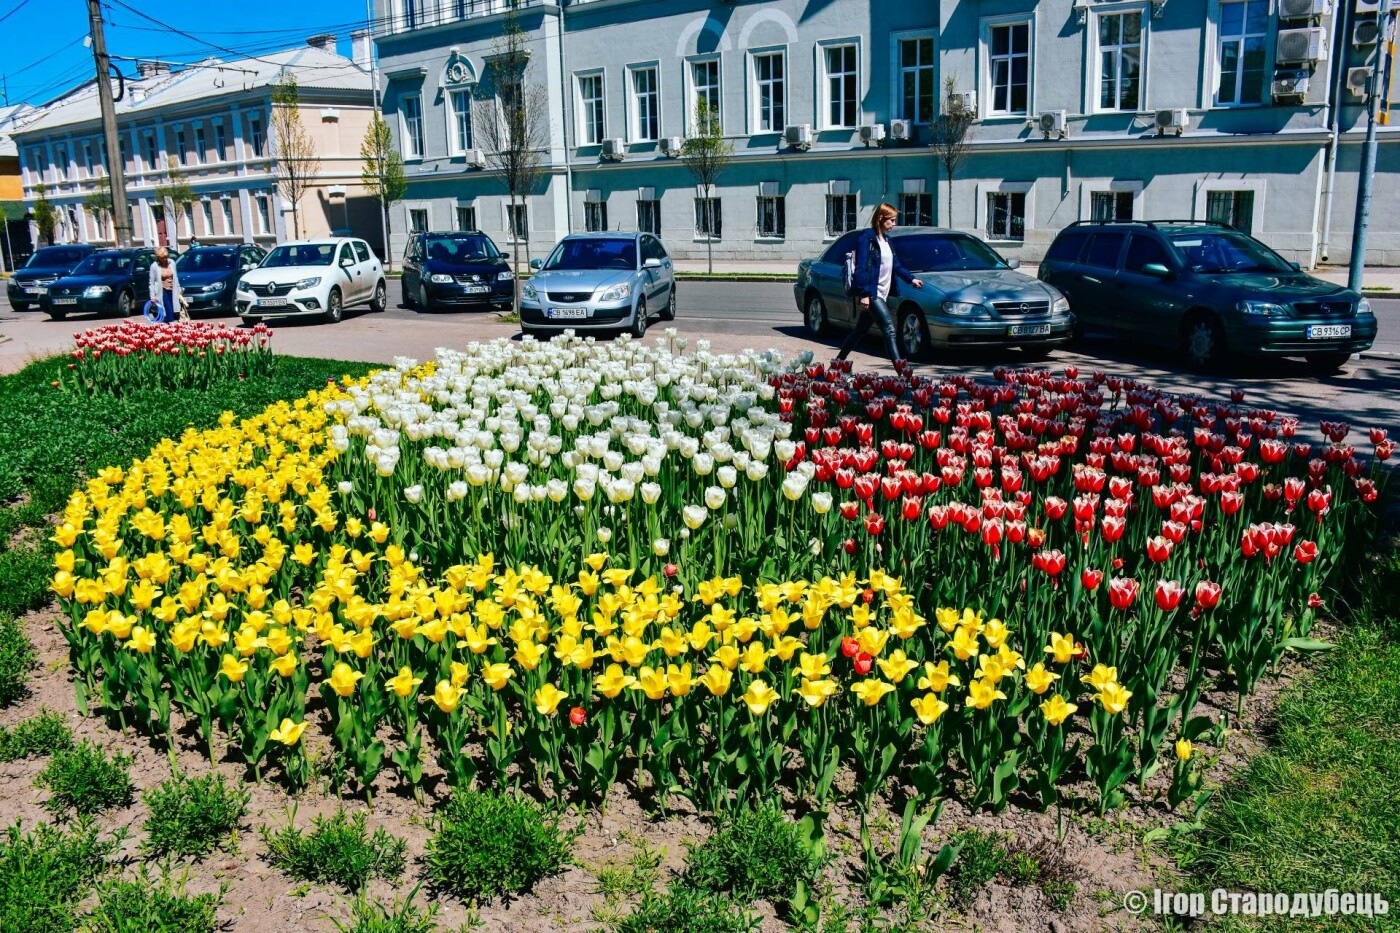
[(42, 51)]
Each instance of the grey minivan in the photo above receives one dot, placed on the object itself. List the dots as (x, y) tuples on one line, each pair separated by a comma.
[(600, 281)]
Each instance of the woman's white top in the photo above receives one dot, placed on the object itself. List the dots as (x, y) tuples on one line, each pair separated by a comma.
[(882, 289)]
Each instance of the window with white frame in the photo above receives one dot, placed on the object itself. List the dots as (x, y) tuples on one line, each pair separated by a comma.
[(518, 223), (1235, 208), (411, 111), (418, 220), (1243, 50), (60, 158), (1006, 215), (220, 143), (1107, 206), (916, 209), (646, 104), (649, 216), (772, 212), (770, 97), (595, 213), (1009, 61), (206, 208), (466, 217), (590, 103), (182, 150), (227, 204), (1120, 60), (461, 116), (918, 87), (840, 214), (708, 218), (88, 163), (255, 134), (152, 152), (704, 89), (187, 220), (264, 215), (842, 82), (199, 141), (36, 166)]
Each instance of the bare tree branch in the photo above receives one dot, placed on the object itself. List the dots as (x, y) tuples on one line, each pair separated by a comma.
[(293, 149), (950, 138), (707, 153)]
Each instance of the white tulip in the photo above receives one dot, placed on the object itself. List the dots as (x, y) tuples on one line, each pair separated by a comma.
[(693, 516), (494, 458), (477, 474), (604, 535), (727, 476), (714, 497), (756, 471), (413, 494), (821, 502), (794, 485), (584, 488), (704, 463), (346, 487), (556, 489), (457, 490), (650, 493)]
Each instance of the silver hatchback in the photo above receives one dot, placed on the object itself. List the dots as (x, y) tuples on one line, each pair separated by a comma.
[(600, 281)]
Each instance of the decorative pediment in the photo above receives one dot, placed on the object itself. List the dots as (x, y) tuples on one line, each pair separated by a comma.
[(458, 71)]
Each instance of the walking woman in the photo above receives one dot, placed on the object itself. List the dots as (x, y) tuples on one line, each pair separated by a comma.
[(165, 286), (876, 271)]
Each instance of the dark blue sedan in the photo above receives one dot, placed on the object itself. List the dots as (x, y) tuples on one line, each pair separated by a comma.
[(209, 275)]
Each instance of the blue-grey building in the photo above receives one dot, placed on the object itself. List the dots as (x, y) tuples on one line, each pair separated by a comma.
[(1246, 111)]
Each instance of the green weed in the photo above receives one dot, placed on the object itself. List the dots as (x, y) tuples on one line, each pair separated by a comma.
[(687, 910), (339, 850), (85, 780), (143, 905), (35, 737), (759, 853), (17, 659), (191, 816), (488, 844), (45, 874)]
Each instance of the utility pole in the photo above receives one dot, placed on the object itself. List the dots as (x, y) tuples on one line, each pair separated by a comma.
[(1376, 114), (374, 97), (116, 171)]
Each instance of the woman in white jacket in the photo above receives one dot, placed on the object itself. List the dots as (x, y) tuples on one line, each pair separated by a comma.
[(165, 286)]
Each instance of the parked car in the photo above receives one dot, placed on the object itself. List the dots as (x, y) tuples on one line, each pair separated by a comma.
[(47, 265), (459, 269), (972, 297), (209, 275), (109, 281), (1207, 288), (598, 281), (320, 277)]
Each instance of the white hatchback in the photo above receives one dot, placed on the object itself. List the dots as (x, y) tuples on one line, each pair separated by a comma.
[(322, 277)]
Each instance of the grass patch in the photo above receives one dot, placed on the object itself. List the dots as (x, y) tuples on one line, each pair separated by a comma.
[(85, 780), (687, 910), (632, 876), (402, 916), (35, 737), (45, 874), (142, 905), (17, 659), (758, 853), (508, 317), (339, 850), (986, 857), (486, 845), (192, 816)]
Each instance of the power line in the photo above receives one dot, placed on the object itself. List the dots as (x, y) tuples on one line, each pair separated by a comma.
[(43, 59), (180, 32), (21, 5)]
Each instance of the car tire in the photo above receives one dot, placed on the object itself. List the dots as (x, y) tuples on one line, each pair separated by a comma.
[(638, 330), (57, 315), (1327, 363), (408, 301), (1203, 342), (247, 320), (815, 318), (126, 304), (911, 332), (1036, 354), (380, 301), (335, 308), (423, 301), (668, 313), (19, 305)]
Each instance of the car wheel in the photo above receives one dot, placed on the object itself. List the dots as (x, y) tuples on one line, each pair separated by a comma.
[(423, 301), (125, 305), (380, 301), (19, 305), (1036, 354), (818, 324), (912, 334), (638, 330), (1203, 342), (1325, 363), (408, 301), (246, 320), (334, 308), (57, 315), (668, 313)]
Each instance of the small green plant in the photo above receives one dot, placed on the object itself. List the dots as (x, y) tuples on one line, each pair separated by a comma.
[(632, 876), (487, 844), (757, 853), (17, 659), (339, 850), (35, 737), (372, 916), (687, 910), (85, 780), (508, 317), (986, 856), (45, 874), (191, 816), (143, 905)]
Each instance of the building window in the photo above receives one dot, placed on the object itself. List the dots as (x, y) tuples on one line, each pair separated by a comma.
[(916, 210), (187, 218), (207, 209), (61, 159), (461, 121), (466, 218), (1006, 215), (255, 135), (708, 218), (917, 87), (181, 149), (152, 153), (1010, 62), (1106, 206), (704, 88), (1120, 61), (840, 214), (199, 144), (590, 99), (1244, 38), (1235, 208), (646, 105), (418, 220), (220, 143), (772, 220), (413, 127), (87, 158), (770, 79), (649, 216), (227, 205), (841, 85), (264, 215), (518, 219), (595, 216)]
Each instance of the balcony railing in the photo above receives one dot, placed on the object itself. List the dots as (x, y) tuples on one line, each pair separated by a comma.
[(406, 15)]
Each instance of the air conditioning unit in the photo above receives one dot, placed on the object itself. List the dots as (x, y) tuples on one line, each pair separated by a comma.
[(798, 135), (1366, 32), (901, 129), (671, 145), (1358, 78), (1368, 6), (1176, 120), (874, 133), (1290, 87), (614, 148), (1053, 123), (1303, 9), (1302, 45), (475, 158), (962, 102)]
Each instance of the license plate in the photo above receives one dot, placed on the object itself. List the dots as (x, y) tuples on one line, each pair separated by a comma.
[(36, 290), (65, 301), (1328, 331), (477, 289), (272, 302), (1028, 330), (566, 313)]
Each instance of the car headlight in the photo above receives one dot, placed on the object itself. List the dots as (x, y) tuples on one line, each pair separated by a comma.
[(1261, 308), (1363, 306), (214, 287), (617, 292), (309, 283), (961, 308), (96, 291), (505, 276), (439, 278), (527, 291), (243, 286), (1060, 306)]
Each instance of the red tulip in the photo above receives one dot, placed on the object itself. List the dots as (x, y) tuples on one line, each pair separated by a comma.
[(1168, 594), (1305, 552), (1207, 594), (863, 663), (670, 570), (1315, 601), (577, 716), (1052, 563), (849, 545), (850, 647), (1122, 591), (1055, 508), (874, 523), (1158, 549), (1090, 579)]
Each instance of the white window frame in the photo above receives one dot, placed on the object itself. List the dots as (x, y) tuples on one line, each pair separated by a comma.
[(692, 91), (635, 130), (420, 138), (152, 150), (755, 107), (831, 198), (704, 237), (89, 165), (824, 96), (654, 200), (1006, 187), (581, 107), (262, 212), (1095, 55), (60, 161), (986, 86), (779, 207), (897, 72), (206, 213), (220, 143), (454, 147), (509, 233), (427, 213), (592, 206), (187, 220), (226, 212), (200, 141), (255, 121), (1258, 186), (1090, 187), (182, 145), (457, 216), (1214, 18)]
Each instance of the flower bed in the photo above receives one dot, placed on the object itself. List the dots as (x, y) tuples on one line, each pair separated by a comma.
[(186, 354)]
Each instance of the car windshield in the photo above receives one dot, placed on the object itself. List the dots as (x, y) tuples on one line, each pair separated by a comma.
[(945, 253), (590, 253), (208, 260), (56, 256), (459, 249), (315, 254), (1226, 251), (102, 264)]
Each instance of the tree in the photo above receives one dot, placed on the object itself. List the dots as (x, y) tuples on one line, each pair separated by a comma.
[(174, 194), (950, 140), (45, 215), (99, 202), (293, 149), (510, 117), (707, 153), (382, 172)]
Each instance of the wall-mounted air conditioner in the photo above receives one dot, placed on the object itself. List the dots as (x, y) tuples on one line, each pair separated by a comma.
[(798, 136), (671, 145), (614, 149), (1366, 32), (1172, 121), (1358, 78), (1368, 6), (1303, 9), (475, 158), (1290, 87), (1301, 45), (962, 102), (901, 129), (1053, 123), (874, 134)]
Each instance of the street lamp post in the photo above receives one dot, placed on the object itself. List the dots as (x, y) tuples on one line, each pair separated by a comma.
[(1377, 90)]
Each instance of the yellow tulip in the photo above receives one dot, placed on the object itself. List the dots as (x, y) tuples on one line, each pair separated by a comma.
[(816, 692), (753, 658), (928, 708), (1063, 647), (1101, 676), (981, 694), (785, 647), (183, 635), (871, 690), (528, 655), (1039, 679), (717, 680), (678, 679), (1056, 710), (344, 678), (936, 677), (897, 666), (812, 666), (460, 673), (1114, 698), (497, 676), (613, 681), (872, 640), (120, 625), (233, 669), (404, 683), (652, 682), (547, 699), (759, 697), (285, 665), (1183, 749), (142, 640), (995, 633), (965, 643), (288, 733), (447, 696)]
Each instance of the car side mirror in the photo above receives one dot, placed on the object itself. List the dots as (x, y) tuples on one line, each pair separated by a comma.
[(652, 263), (346, 263), (1157, 269), (1297, 267), (536, 264), (1013, 263), (247, 266)]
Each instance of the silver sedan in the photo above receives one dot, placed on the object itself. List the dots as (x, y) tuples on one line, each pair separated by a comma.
[(600, 281), (972, 297)]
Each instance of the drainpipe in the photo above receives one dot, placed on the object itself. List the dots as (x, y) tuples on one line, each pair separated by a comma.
[(565, 104), (1334, 120)]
